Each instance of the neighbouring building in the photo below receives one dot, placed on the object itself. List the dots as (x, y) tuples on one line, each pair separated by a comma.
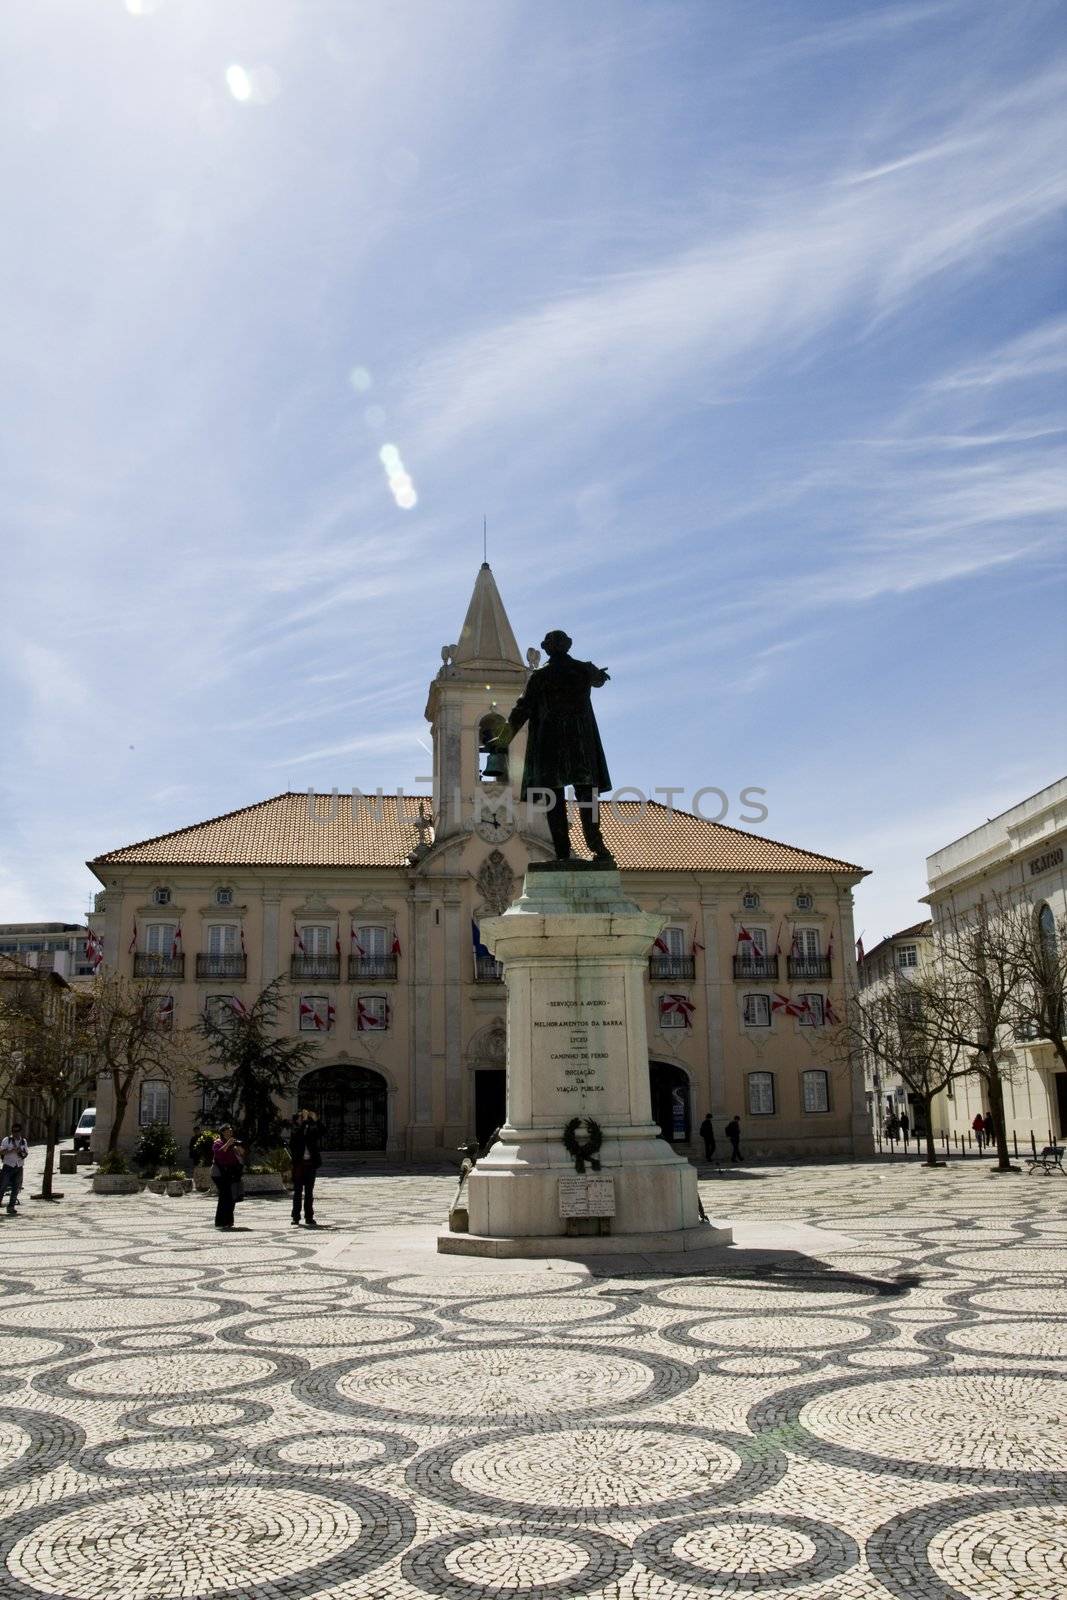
[(899, 958), (52, 946), (370, 907), (1019, 855), (58, 1000)]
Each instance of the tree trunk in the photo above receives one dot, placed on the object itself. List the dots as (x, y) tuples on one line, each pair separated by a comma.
[(52, 1139), (931, 1152), (122, 1101), (996, 1107)]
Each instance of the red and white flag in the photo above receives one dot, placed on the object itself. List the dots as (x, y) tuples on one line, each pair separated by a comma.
[(176, 943), (829, 1014), (238, 1007), (94, 950), (830, 946), (660, 944), (306, 1010), (803, 1006), (787, 1007), (778, 941), (356, 946), (337, 946), (165, 1011), (132, 946), (744, 937), (331, 1014), (298, 942), (696, 942), (677, 1005), (368, 1020), (395, 948), (244, 952), (859, 948), (794, 949)]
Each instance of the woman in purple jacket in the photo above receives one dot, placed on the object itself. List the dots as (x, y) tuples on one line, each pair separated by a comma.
[(227, 1157)]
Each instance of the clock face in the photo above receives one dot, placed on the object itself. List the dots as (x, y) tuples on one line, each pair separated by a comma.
[(494, 828)]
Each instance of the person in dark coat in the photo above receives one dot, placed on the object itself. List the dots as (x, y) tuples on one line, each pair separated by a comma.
[(733, 1133), (227, 1166), (305, 1147), (988, 1129), (707, 1133), (563, 746)]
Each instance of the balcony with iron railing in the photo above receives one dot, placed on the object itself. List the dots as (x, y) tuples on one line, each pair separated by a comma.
[(757, 969), (671, 967), (230, 965), (153, 966), (380, 968), (486, 970), (315, 967), (807, 967)]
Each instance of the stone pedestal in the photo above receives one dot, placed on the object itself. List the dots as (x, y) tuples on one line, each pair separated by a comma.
[(575, 954)]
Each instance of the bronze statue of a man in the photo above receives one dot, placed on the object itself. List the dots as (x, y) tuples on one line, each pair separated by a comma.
[(563, 746)]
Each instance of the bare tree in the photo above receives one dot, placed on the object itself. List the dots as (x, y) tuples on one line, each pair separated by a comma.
[(1040, 1011), (133, 1037), (894, 1025), (981, 976), (44, 1059)]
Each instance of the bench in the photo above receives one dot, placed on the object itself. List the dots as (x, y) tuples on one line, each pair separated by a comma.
[(1051, 1157)]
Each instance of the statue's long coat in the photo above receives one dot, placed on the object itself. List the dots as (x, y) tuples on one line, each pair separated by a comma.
[(563, 745)]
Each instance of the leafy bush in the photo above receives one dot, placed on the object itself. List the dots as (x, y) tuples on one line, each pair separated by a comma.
[(203, 1147), (113, 1163), (278, 1160), (175, 1176), (156, 1148)]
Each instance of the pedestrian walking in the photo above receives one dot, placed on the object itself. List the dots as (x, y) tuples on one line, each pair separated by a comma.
[(733, 1133), (227, 1168), (905, 1129), (988, 1129), (305, 1148), (978, 1128), (13, 1153), (707, 1133), (892, 1130)]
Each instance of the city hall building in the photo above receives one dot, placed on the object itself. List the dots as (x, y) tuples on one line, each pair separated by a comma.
[(369, 906)]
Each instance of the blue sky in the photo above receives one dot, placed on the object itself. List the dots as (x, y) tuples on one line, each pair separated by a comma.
[(743, 324)]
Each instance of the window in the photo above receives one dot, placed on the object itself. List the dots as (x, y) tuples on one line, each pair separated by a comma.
[(671, 1013), (907, 955), (222, 939), (315, 1013), (815, 1090), (161, 897), (159, 938), (373, 941), (804, 902), (224, 897), (812, 1014), (155, 1102), (163, 1021), (806, 943), (372, 1013), (219, 1007), (1046, 932), (317, 940), (750, 901), (757, 1010), (674, 939), (761, 1094), (911, 1006)]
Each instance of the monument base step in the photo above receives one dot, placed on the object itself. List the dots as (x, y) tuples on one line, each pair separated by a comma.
[(568, 1248)]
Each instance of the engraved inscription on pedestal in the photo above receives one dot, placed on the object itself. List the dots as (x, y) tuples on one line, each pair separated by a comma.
[(580, 1049), (586, 1197)]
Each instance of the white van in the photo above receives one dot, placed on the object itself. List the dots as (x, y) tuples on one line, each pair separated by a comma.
[(84, 1131)]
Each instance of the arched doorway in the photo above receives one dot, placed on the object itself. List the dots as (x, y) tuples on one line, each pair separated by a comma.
[(351, 1103), (669, 1088)]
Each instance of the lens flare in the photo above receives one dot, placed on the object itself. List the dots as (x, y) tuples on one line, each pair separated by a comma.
[(238, 82), (400, 484), (360, 379)]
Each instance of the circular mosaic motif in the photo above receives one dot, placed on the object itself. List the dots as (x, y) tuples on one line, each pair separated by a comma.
[(326, 1328), (747, 1551), (1020, 1340), (748, 1297), (771, 1334), (190, 1540), (473, 1285), (32, 1442), (197, 1417), (995, 1546), (104, 1313), (547, 1311), (172, 1375), (505, 1560), (959, 1427), (33, 1349), (1004, 1260), (509, 1383), (154, 1457), (584, 1474), (333, 1451), (1022, 1302)]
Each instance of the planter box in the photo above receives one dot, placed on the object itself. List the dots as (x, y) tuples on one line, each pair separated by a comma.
[(263, 1183), (68, 1161), (179, 1186), (202, 1178), (156, 1186), (116, 1183)]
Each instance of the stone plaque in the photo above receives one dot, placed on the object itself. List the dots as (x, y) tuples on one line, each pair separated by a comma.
[(587, 1197), (580, 1048)]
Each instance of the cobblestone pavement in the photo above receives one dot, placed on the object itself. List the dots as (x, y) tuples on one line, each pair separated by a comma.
[(280, 1413)]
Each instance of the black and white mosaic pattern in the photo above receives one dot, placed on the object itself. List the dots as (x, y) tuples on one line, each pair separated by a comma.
[(298, 1416)]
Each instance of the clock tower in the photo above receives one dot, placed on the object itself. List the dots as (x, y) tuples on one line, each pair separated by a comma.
[(480, 678)]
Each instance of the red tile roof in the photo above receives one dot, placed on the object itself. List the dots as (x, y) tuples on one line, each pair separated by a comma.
[(285, 832)]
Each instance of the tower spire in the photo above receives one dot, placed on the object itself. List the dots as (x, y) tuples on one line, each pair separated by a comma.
[(486, 637)]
